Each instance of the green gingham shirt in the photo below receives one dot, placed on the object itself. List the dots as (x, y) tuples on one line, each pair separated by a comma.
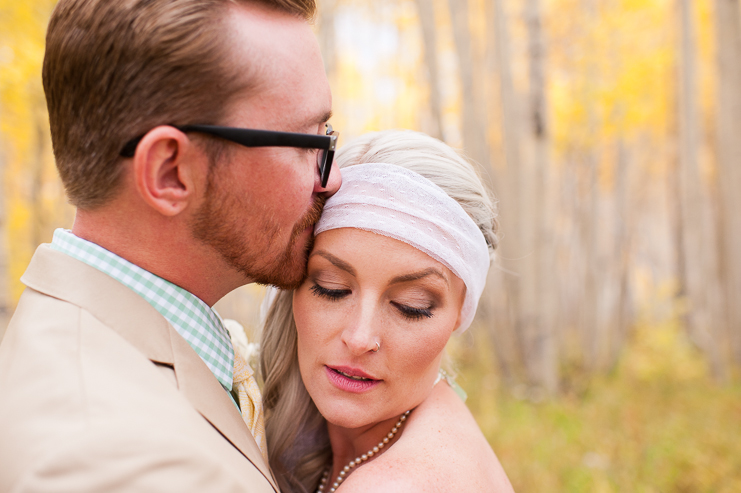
[(193, 319)]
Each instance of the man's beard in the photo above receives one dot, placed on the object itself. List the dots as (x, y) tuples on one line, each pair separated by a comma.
[(216, 224)]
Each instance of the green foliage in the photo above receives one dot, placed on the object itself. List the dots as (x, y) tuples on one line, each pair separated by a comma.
[(656, 424)]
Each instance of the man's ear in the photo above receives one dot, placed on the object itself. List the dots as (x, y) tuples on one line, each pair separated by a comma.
[(165, 170)]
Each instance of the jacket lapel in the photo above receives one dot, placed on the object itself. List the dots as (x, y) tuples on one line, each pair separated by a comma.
[(207, 395), (59, 275)]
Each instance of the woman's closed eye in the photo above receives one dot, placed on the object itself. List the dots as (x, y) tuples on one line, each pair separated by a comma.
[(330, 294), (411, 312)]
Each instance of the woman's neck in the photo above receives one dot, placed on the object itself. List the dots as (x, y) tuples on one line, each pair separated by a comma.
[(349, 444)]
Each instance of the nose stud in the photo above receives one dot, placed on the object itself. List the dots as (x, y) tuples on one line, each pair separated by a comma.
[(378, 346)]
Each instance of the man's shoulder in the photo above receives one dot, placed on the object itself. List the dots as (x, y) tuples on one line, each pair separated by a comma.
[(123, 458), (48, 338), (80, 402), (41, 317), (62, 369)]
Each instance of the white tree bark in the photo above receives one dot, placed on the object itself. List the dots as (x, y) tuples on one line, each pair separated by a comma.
[(5, 297), (327, 36), (426, 12), (697, 242), (504, 282), (728, 151), (508, 98), (39, 217), (591, 328), (622, 254), (536, 201), (473, 126)]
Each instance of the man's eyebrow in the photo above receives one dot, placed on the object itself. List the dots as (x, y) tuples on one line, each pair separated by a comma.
[(337, 262), (431, 271), (324, 117)]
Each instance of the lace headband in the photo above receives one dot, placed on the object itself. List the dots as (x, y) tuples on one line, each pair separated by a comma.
[(393, 201)]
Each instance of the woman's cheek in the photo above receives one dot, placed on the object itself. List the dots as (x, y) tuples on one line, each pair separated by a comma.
[(421, 351), (316, 319), (302, 311)]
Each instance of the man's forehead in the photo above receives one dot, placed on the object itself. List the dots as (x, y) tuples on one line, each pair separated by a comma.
[(254, 30), (280, 55)]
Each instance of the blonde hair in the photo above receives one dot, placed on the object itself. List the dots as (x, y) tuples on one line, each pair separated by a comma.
[(296, 432)]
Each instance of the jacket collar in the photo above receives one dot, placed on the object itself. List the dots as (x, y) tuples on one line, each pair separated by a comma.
[(60, 276)]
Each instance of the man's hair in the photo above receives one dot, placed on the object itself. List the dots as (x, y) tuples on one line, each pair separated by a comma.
[(115, 69)]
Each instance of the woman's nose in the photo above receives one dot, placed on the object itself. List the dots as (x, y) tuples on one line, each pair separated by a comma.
[(360, 336)]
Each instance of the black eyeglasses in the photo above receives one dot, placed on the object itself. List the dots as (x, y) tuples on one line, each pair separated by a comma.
[(265, 138)]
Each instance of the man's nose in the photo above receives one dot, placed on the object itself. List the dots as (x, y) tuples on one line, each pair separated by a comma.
[(333, 183)]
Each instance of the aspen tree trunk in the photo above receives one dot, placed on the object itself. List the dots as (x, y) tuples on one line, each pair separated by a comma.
[(618, 285), (326, 34), (508, 98), (38, 216), (529, 205), (474, 127), (503, 282), (538, 302), (590, 227), (426, 12), (622, 257), (593, 330), (474, 133), (697, 259), (5, 298), (570, 289), (728, 151)]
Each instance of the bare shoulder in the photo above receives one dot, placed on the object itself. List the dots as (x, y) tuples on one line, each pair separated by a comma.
[(441, 449)]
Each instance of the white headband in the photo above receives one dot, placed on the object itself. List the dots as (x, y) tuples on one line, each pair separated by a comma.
[(393, 201)]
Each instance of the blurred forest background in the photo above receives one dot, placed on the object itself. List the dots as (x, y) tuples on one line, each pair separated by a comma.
[(607, 349)]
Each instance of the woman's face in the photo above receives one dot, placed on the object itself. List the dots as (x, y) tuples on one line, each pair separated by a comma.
[(364, 288)]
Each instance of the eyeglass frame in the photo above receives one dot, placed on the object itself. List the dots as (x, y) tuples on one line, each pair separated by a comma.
[(249, 137)]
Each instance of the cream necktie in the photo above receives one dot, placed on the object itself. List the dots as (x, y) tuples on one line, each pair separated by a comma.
[(250, 401)]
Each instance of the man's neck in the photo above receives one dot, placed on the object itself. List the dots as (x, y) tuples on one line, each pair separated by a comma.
[(161, 246)]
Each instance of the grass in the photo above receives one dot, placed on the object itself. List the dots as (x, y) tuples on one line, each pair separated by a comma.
[(656, 424)]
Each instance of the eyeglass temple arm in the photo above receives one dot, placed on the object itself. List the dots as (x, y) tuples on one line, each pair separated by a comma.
[(265, 138)]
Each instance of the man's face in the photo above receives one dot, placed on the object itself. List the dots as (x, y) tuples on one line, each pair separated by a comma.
[(261, 203)]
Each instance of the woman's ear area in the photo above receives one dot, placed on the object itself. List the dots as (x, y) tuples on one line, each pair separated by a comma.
[(169, 171)]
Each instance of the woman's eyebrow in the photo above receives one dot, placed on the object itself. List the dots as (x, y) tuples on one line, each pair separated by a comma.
[(419, 275), (337, 262)]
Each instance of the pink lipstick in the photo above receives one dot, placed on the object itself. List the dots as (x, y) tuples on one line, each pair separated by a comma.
[(350, 379)]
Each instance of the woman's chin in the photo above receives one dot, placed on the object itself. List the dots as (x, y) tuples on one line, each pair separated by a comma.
[(358, 415), (348, 416)]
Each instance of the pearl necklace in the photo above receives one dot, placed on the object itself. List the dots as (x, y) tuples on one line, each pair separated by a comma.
[(359, 460)]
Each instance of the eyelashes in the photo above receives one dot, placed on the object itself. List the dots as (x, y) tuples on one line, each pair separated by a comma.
[(409, 312), (413, 313), (330, 294)]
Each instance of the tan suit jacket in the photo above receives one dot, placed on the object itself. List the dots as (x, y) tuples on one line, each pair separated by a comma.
[(98, 392)]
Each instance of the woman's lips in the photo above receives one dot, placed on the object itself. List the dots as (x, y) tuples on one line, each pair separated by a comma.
[(350, 379)]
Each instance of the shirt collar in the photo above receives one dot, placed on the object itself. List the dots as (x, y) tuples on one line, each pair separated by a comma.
[(193, 319)]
